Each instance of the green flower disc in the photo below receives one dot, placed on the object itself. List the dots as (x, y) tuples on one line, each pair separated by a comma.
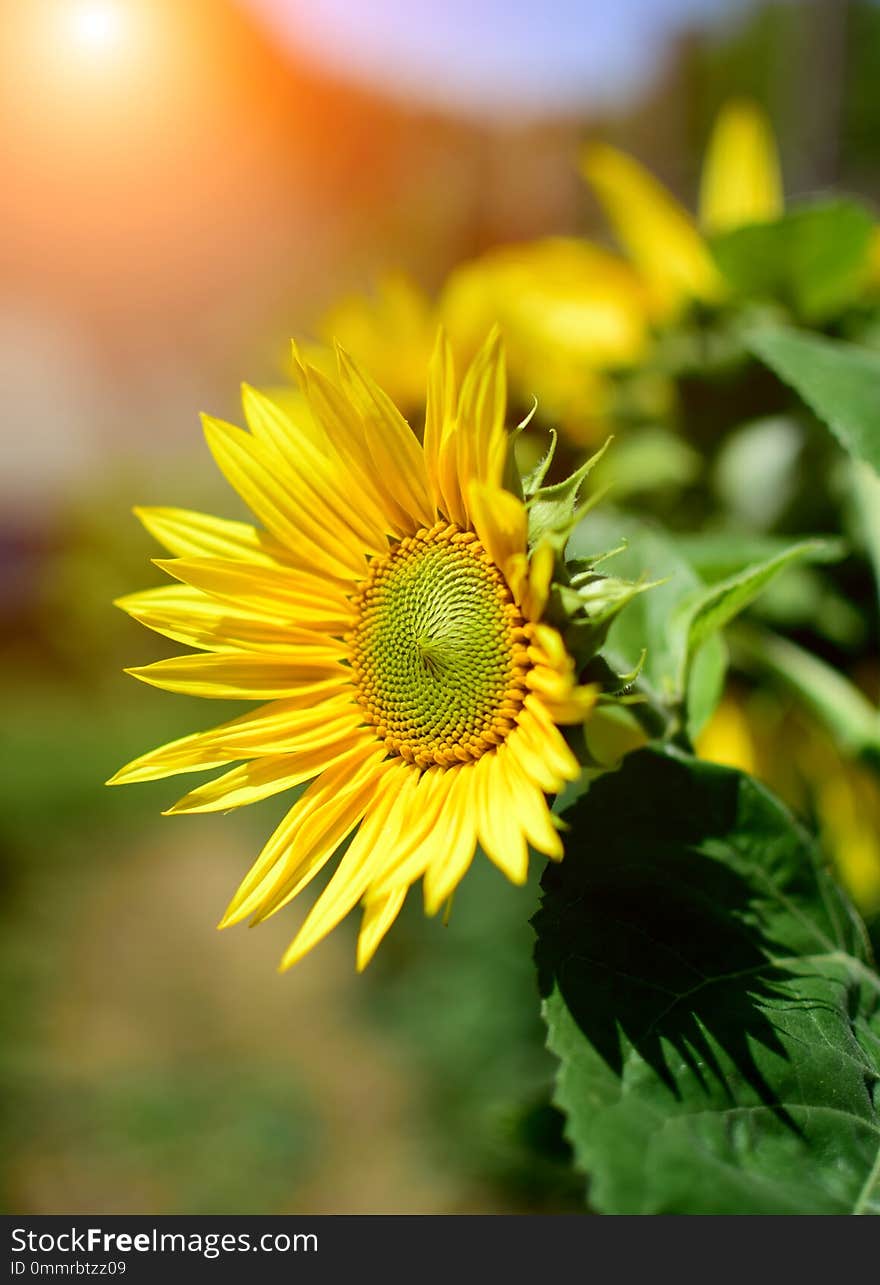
[(439, 650)]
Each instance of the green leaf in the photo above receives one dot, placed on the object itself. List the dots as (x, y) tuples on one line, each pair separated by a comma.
[(840, 383), (865, 495), (676, 621), (650, 634), (648, 460), (714, 555), (812, 259), (805, 598), (758, 470), (846, 712), (704, 614), (709, 994), (651, 621), (705, 684), (716, 606)]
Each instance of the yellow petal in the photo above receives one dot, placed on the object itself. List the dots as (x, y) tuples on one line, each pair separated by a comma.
[(281, 726), (395, 449), (271, 774), (189, 616), (429, 809), (272, 425), (541, 751), (540, 575), (516, 573), (383, 825), (439, 416), (532, 812), (191, 753), (288, 595), (254, 474), (480, 423), (247, 677), (741, 182), (529, 758), (548, 682), (550, 648), (451, 858), (378, 917), (657, 233), (536, 722), (500, 521), (317, 478), (575, 706), (501, 837), (345, 427), (309, 834), (284, 727), (199, 535)]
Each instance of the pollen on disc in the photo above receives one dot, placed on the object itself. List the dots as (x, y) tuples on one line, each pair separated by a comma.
[(440, 649)]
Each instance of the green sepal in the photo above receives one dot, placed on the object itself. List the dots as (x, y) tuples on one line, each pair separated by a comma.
[(531, 481), (555, 511), (585, 612)]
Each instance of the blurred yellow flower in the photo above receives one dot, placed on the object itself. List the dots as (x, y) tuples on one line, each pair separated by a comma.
[(728, 738), (570, 312), (740, 184), (391, 616), (390, 332), (872, 282), (804, 767), (658, 235), (741, 180)]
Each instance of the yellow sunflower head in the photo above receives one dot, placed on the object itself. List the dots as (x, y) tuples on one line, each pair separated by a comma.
[(389, 614)]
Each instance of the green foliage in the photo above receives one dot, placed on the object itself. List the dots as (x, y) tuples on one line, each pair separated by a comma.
[(840, 382), (652, 460), (715, 607), (757, 471), (830, 695), (715, 555), (554, 510), (670, 634), (190, 1131), (812, 259), (648, 634), (709, 994), (865, 496), (460, 1002)]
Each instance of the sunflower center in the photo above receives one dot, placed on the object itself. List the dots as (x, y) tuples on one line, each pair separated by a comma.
[(440, 651)]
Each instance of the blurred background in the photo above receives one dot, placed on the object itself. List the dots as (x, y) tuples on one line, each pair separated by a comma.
[(186, 185)]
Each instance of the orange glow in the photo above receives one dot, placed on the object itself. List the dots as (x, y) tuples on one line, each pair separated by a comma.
[(98, 28), (162, 158), (82, 70), (158, 154)]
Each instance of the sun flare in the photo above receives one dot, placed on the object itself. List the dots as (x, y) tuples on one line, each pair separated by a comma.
[(96, 29)]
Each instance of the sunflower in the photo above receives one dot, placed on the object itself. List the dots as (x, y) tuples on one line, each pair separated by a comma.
[(389, 615), (572, 313), (740, 184)]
